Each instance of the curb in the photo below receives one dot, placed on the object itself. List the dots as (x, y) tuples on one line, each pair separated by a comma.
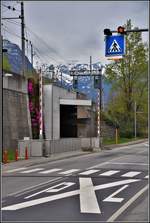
[(32, 162), (51, 159), (112, 146)]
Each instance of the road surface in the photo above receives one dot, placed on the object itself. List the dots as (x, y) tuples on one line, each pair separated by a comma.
[(100, 187)]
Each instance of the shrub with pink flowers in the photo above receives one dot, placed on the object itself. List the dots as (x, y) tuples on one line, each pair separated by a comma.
[(33, 94)]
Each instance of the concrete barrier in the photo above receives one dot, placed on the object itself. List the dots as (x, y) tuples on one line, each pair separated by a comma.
[(38, 148)]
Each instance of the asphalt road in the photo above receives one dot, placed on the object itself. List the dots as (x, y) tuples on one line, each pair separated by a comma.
[(103, 187)]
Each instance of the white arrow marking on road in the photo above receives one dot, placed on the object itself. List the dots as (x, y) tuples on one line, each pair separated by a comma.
[(64, 195), (88, 200), (111, 198), (53, 189)]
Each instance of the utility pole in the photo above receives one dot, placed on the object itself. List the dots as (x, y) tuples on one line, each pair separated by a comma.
[(22, 38)]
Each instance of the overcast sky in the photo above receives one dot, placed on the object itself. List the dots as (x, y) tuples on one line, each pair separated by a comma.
[(73, 30)]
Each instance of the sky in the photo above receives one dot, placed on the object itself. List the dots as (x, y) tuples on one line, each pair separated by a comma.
[(72, 31)]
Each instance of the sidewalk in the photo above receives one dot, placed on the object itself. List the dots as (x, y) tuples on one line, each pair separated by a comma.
[(59, 156), (112, 146), (40, 160)]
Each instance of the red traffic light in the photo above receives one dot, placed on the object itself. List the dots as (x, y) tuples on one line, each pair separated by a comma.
[(121, 30)]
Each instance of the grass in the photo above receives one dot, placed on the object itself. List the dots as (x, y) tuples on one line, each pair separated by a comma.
[(11, 155), (120, 140)]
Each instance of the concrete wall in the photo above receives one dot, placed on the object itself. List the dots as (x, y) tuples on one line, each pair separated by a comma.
[(51, 100), (36, 148), (16, 118)]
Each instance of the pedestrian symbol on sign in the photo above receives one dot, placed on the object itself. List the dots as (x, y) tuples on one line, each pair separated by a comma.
[(114, 47)]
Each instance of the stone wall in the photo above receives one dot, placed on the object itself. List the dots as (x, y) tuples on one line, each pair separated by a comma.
[(15, 118), (108, 131)]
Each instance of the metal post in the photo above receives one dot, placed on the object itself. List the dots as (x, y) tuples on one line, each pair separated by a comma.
[(22, 38), (98, 115), (41, 104), (1, 98), (91, 103), (100, 105), (31, 55), (61, 78), (135, 119)]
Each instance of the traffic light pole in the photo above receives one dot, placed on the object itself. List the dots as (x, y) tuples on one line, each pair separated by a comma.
[(131, 30)]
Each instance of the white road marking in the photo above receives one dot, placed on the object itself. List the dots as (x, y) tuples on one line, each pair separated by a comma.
[(135, 164), (32, 170), (131, 174), (15, 170), (53, 189), (88, 200), (50, 171), (32, 188), (109, 173), (28, 188), (111, 197), (127, 204), (88, 172), (69, 171), (147, 176), (64, 195), (146, 144)]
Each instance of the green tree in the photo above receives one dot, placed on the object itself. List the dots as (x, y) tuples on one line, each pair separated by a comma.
[(6, 64), (129, 79)]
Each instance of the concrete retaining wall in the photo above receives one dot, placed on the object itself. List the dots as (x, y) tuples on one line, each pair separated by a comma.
[(49, 147), (15, 118)]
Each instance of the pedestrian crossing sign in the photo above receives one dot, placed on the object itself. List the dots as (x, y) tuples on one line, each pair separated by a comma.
[(114, 45)]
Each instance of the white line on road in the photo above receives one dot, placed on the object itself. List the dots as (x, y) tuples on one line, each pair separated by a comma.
[(88, 172), (64, 195), (135, 164), (146, 177), (26, 190), (88, 200), (32, 170), (111, 197), (15, 170), (127, 204), (52, 189), (109, 173), (50, 171), (70, 171), (131, 174)]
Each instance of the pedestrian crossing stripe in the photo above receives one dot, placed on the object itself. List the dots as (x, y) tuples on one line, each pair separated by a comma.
[(114, 47), (104, 173)]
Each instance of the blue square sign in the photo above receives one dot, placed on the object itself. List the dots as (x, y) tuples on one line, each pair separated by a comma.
[(114, 45)]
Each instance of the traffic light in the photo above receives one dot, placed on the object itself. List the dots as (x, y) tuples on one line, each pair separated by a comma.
[(121, 30), (107, 32), (75, 82)]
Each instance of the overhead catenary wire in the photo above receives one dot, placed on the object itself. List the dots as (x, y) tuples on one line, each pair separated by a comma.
[(46, 45)]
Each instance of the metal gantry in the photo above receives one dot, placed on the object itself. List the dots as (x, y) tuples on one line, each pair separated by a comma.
[(97, 74)]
